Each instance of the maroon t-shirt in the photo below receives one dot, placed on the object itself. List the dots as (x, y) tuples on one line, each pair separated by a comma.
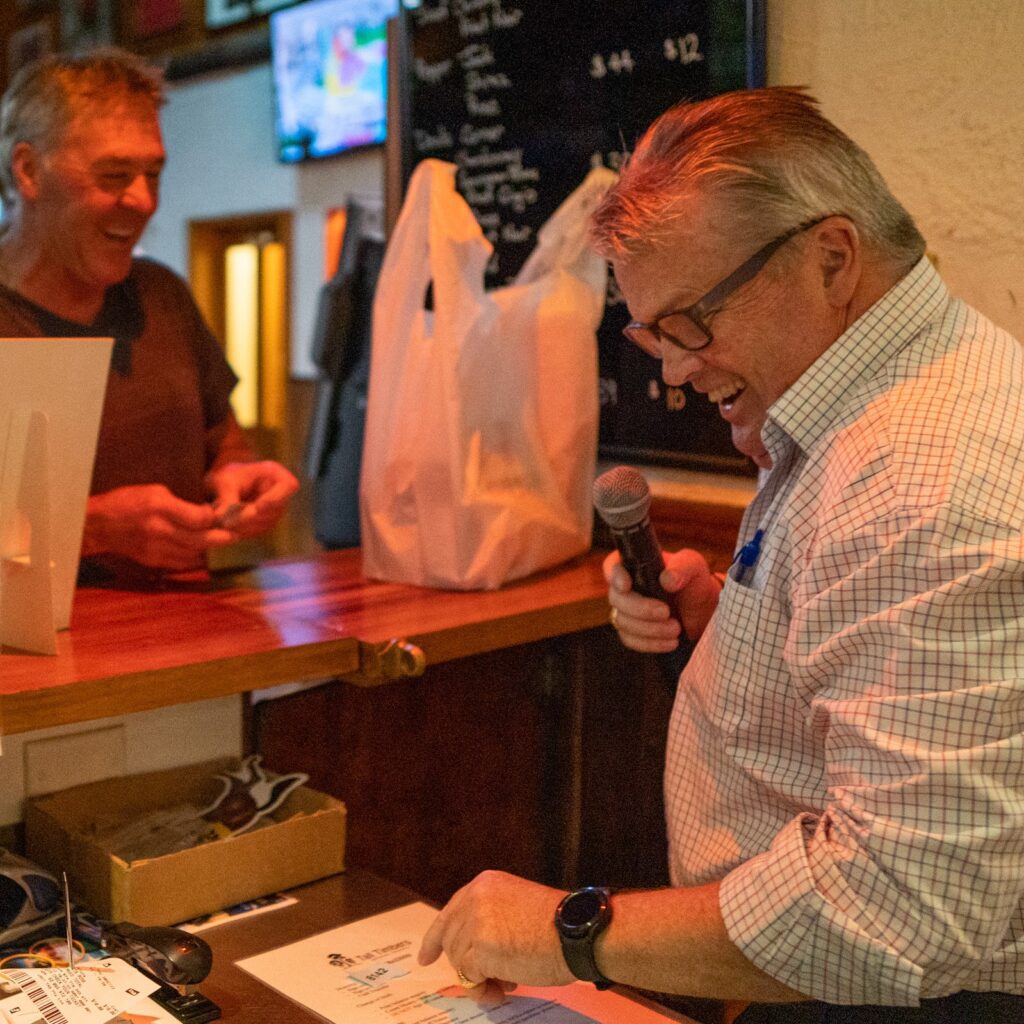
[(169, 381)]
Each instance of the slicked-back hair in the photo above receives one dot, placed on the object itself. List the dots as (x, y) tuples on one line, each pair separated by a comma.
[(46, 95), (769, 159)]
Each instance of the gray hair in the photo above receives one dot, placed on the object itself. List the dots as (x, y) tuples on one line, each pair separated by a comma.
[(770, 157), (46, 95)]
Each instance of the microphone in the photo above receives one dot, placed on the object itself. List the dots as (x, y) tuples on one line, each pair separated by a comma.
[(623, 501)]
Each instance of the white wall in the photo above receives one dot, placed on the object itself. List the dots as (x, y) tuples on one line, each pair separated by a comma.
[(219, 134), (51, 759), (934, 91)]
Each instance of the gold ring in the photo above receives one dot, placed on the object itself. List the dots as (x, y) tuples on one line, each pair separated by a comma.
[(464, 981), (613, 618)]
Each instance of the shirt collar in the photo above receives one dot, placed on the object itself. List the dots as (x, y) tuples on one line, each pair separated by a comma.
[(122, 317), (812, 405)]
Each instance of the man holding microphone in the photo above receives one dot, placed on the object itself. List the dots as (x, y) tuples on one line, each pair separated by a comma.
[(842, 783)]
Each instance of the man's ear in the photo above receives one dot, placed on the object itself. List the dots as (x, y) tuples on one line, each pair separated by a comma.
[(839, 258), (25, 168)]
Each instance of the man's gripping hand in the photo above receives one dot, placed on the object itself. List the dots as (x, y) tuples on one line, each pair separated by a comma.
[(250, 497), (649, 625), (151, 526)]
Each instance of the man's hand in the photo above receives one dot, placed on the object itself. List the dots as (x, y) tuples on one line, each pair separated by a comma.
[(250, 497), (647, 624), (499, 931), (151, 526)]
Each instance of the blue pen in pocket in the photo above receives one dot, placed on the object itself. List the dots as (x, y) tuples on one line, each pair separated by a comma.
[(746, 557)]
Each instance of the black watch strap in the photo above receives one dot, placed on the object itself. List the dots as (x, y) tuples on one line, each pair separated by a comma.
[(580, 918)]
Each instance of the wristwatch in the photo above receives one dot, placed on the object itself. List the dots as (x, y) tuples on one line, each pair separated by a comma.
[(579, 919)]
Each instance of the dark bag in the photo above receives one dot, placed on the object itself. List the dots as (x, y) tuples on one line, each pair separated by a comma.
[(342, 351)]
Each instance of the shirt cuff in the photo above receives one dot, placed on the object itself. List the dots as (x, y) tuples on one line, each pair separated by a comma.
[(779, 920)]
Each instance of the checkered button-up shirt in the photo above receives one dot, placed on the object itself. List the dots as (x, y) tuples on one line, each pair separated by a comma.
[(846, 751)]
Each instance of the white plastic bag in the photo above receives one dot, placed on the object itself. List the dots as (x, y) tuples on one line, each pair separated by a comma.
[(481, 427)]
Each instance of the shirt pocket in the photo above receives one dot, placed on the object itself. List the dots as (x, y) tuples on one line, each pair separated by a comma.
[(728, 670)]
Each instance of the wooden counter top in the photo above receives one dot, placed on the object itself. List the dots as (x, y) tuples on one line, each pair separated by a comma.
[(285, 621)]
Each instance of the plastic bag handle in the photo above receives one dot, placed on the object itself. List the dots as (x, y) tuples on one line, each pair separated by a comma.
[(564, 239), (438, 240)]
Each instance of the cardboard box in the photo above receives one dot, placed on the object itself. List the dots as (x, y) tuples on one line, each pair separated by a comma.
[(306, 842)]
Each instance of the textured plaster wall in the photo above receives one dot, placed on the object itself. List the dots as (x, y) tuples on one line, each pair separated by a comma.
[(934, 91)]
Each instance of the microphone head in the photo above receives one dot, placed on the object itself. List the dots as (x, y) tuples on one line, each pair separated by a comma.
[(622, 497)]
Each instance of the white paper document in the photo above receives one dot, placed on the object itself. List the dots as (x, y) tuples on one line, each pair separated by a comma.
[(96, 993), (366, 973)]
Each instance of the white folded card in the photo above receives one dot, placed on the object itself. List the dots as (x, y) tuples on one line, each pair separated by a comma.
[(50, 406)]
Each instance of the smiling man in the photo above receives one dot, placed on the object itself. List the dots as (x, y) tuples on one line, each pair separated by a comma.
[(81, 156), (843, 789)]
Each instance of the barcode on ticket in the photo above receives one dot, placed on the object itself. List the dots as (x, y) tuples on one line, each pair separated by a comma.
[(42, 1002)]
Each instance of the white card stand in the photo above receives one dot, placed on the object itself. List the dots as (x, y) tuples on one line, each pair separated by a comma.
[(51, 400), (26, 567)]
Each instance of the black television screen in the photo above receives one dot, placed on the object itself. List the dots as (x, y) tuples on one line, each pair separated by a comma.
[(329, 61)]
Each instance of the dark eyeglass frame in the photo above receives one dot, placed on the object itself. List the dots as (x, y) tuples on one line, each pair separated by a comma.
[(650, 336)]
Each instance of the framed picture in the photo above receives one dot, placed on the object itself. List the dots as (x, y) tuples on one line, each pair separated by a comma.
[(28, 44), (221, 13), (85, 24)]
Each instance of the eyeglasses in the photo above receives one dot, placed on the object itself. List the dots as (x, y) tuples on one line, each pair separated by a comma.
[(685, 328)]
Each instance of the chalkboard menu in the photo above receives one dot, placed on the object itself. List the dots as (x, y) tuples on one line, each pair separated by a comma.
[(525, 96)]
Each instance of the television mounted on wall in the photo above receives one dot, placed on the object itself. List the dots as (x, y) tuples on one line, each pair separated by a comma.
[(329, 61)]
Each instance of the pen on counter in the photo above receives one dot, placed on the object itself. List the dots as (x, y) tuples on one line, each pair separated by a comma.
[(67, 923), (747, 556)]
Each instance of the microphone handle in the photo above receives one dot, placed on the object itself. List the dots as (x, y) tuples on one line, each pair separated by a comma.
[(641, 557)]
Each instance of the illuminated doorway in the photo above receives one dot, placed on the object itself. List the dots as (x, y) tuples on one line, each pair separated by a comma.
[(239, 272)]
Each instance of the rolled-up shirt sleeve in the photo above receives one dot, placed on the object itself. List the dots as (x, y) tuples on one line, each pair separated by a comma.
[(908, 883)]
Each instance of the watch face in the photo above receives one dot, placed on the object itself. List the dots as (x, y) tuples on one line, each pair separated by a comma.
[(581, 910)]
